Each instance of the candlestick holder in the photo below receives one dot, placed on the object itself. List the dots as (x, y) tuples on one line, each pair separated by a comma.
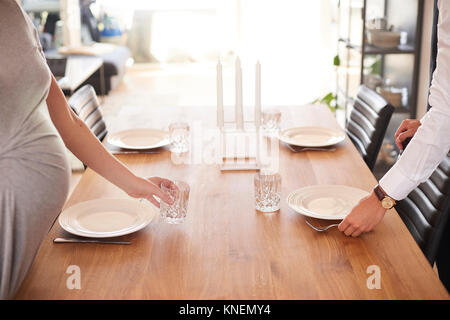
[(240, 140), (240, 148)]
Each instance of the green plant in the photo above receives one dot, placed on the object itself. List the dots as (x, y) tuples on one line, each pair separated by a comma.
[(336, 61), (375, 68), (330, 99)]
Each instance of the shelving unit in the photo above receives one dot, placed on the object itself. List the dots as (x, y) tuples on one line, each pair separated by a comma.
[(400, 64)]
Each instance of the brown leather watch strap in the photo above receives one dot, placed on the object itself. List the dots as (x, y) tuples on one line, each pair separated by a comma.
[(379, 192), (386, 201)]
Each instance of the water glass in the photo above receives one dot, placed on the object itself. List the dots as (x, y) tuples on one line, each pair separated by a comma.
[(267, 191), (179, 137), (270, 121), (175, 213)]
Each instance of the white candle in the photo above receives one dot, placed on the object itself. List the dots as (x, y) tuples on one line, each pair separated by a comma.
[(238, 106), (220, 115), (258, 95)]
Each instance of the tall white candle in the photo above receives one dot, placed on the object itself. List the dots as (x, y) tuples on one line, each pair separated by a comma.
[(238, 106), (258, 95), (220, 111)]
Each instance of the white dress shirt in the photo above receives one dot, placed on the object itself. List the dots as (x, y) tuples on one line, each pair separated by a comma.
[(431, 142)]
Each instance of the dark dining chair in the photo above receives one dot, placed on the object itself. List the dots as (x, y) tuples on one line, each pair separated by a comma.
[(426, 210), (85, 104), (368, 122)]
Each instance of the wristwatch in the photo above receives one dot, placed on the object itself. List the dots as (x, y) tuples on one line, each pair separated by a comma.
[(386, 201)]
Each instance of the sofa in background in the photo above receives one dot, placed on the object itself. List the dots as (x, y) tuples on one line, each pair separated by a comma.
[(114, 60), (114, 65)]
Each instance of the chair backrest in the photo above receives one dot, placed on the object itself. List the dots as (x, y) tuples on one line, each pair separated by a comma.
[(85, 104), (426, 209), (368, 122)]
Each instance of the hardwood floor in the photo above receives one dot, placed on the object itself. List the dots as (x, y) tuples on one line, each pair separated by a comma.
[(164, 85)]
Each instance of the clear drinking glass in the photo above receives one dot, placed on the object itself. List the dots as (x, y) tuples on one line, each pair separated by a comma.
[(267, 191), (270, 121), (175, 213), (179, 137)]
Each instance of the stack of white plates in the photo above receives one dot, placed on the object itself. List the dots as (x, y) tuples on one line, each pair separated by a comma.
[(329, 202)]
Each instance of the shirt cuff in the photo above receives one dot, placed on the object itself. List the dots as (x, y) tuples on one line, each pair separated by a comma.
[(396, 184)]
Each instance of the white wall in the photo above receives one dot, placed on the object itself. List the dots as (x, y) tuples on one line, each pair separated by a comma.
[(424, 71)]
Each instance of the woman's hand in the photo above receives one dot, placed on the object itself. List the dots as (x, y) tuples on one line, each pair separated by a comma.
[(407, 129), (363, 217), (149, 188)]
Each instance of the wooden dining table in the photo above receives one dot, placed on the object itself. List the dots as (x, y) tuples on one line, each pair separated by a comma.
[(226, 249)]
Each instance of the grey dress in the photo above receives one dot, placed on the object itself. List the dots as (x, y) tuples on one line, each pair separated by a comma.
[(34, 172)]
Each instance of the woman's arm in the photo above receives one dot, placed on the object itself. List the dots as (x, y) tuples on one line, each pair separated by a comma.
[(86, 147)]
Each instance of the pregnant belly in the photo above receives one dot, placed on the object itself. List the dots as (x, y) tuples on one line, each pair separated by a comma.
[(35, 170)]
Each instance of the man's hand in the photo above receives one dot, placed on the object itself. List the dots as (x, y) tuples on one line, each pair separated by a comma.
[(363, 217), (407, 129)]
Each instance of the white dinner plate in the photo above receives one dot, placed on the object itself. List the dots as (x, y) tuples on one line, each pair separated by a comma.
[(312, 136), (104, 218), (138, 139), (329, 202)]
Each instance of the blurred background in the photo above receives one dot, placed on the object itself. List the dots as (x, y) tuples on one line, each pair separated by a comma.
[(294, 40), (164, 52)]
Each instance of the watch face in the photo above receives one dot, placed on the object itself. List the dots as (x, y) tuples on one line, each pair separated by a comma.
[(387, 203)]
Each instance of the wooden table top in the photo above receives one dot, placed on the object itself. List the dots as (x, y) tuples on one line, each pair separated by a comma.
[(227, 250)]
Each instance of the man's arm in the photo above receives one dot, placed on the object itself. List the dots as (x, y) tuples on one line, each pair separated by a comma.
[(426, 150), (432, 140)]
